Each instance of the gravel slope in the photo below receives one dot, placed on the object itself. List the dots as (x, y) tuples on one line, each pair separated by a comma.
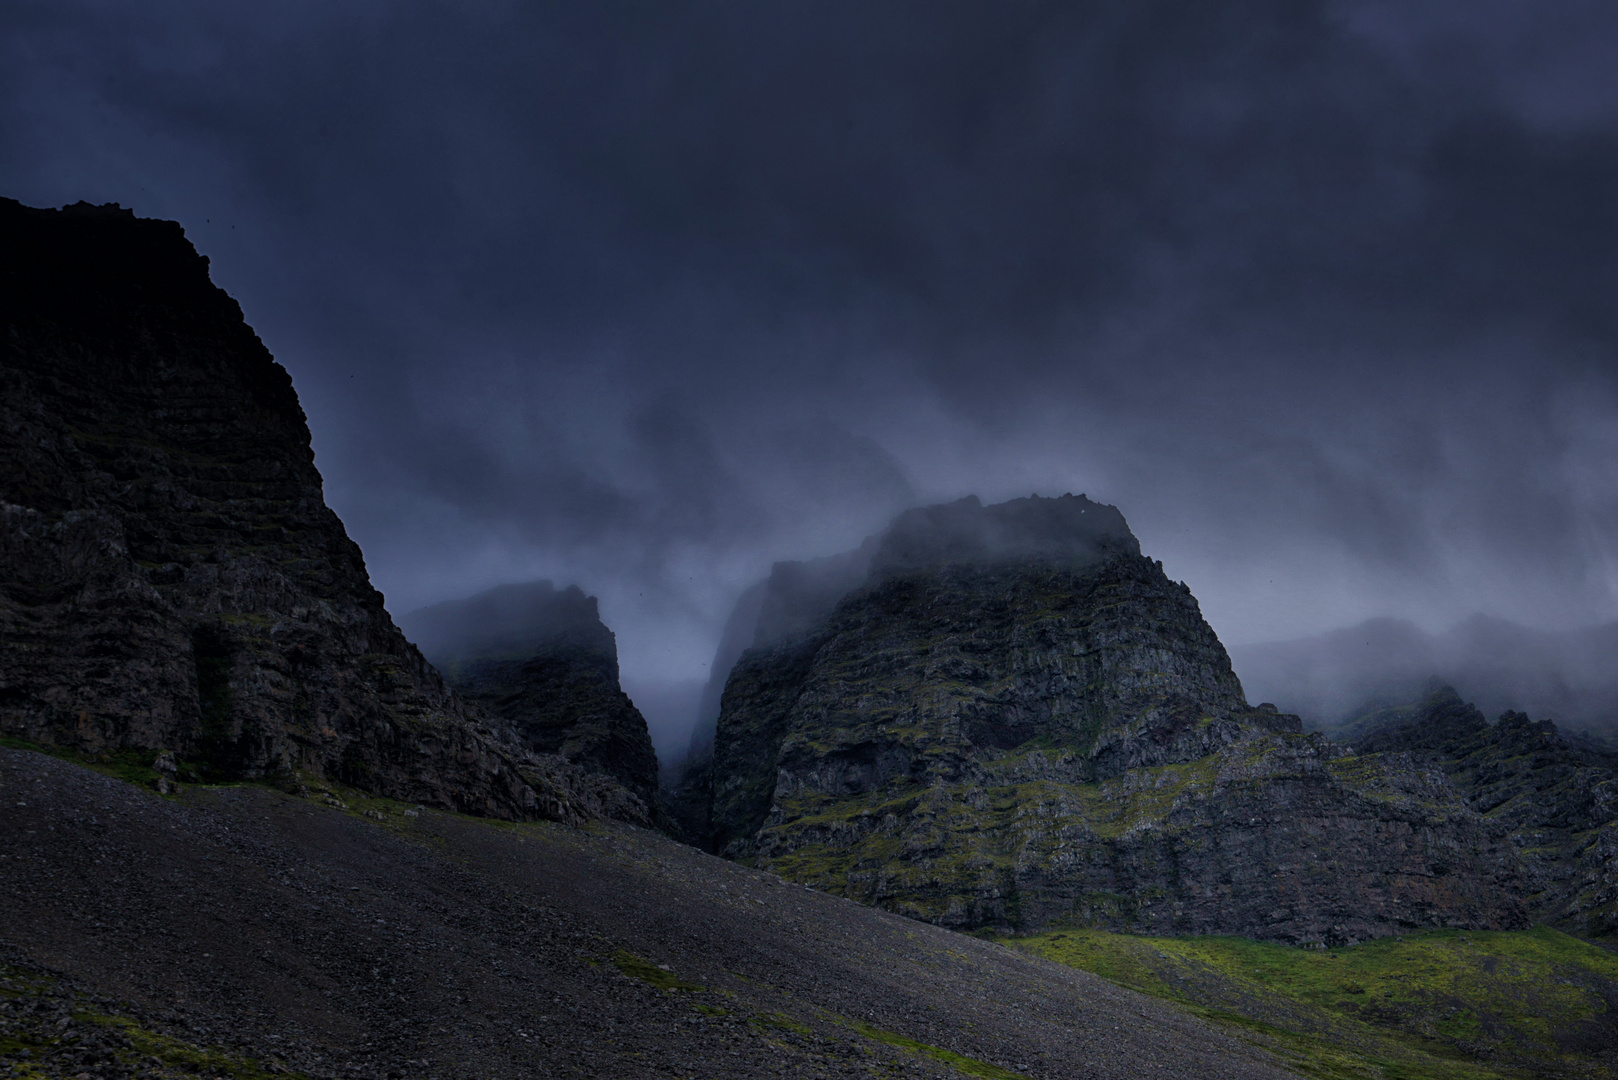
[(417, 944)]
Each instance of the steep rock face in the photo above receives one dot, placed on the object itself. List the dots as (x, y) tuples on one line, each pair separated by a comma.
[(170, 576), (1114, 661), (787, 604), (541, 661), (1018, 719), (1557, 796)]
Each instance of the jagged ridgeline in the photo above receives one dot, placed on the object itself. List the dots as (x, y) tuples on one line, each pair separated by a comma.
[(540, 660), (171, 578), (1014, 719), (1557, 795)]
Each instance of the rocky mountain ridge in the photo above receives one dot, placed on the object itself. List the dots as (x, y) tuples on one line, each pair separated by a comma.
[(1018, 719), (1558, 796)]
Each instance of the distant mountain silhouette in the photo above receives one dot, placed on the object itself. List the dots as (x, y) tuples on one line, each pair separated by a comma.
[(1568, 675), (539, 659), (173, 586)]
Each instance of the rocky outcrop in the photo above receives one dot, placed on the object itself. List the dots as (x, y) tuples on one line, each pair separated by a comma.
[(171, 579), (540, 661), (1557, 795), (787, 604), (1017, 719)]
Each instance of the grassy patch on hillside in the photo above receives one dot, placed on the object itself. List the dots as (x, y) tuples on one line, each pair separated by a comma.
[(132, 766), (1444, 1004), (136, 767), (960, 1062), (781, 1022), (638, 968), (48, 1032)]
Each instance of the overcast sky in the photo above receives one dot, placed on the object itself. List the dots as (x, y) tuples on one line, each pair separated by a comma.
[(1324, 297)]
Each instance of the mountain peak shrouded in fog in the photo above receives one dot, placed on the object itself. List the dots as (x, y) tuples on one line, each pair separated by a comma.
[(506, 619), (1069, 529), (965, 736), (540, 661)]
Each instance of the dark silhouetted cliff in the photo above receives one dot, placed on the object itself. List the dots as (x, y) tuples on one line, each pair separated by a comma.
[(171, 579)]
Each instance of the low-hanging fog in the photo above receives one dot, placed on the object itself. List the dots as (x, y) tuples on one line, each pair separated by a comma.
[(644, 297)]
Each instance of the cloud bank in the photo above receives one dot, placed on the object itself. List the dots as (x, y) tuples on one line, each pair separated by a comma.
[(645, 298)]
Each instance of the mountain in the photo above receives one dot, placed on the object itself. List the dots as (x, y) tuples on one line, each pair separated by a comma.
[(1557, 795), (1017, 720), (540, 661), (173, 587), (1331, 677)]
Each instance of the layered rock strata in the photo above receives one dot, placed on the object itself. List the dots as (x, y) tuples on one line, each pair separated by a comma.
[(1558, 796), (787, 604), (541, 661), (173, 586), (1017, 719)]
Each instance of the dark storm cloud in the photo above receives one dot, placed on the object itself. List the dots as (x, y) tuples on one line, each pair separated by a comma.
[(645, 296)]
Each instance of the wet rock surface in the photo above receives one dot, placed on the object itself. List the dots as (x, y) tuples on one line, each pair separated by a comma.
[(1018, 719), (274, 933), (1557, 795)]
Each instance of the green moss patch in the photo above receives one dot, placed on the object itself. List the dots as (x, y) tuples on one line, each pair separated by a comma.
[(960, 1062), (646, 971), (925, 851), (132, 766), (782, 1022), (186, 1057), (1439, 1004), (52, 1034)]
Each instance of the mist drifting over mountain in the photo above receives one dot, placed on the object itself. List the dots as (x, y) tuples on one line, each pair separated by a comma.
[(646, 299), (1565, 675)]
